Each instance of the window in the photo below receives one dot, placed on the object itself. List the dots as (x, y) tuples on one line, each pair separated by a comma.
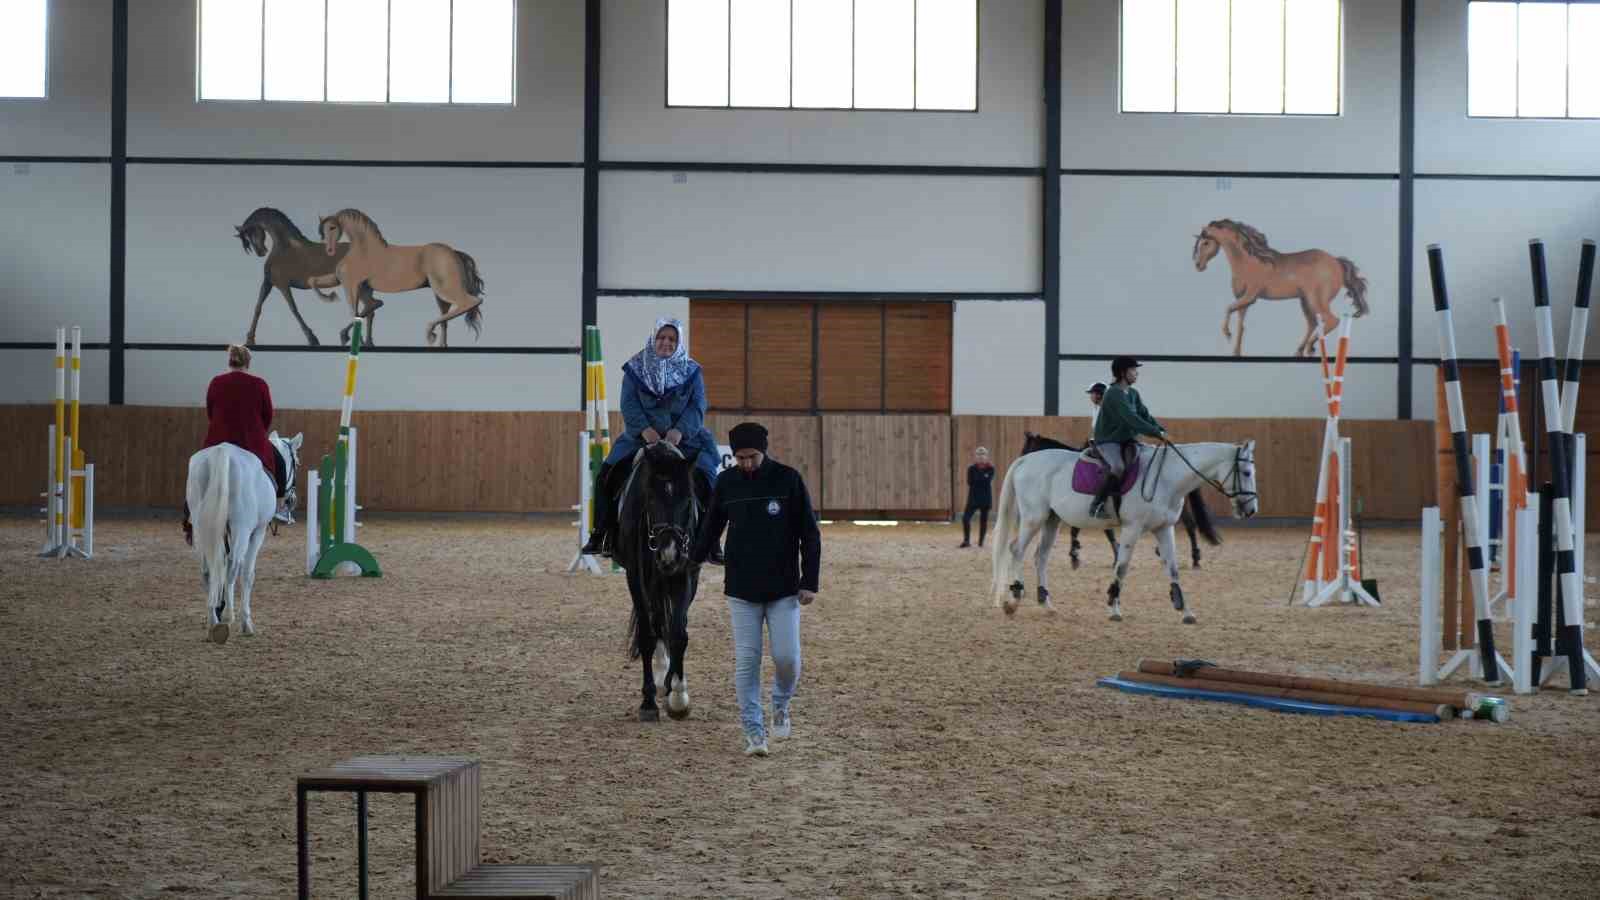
[(1533, 60), (358, 51), (23, 29), (823, 54), (1262, 57), (806, 357)]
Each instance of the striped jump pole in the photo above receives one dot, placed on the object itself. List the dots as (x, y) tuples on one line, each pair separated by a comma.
[(1324, 543), (1472, 524), (1513, 478), (334, 487), (1569, 634), (594, 443)]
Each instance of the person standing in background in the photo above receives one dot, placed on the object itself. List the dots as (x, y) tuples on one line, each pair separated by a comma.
[(980, 496)]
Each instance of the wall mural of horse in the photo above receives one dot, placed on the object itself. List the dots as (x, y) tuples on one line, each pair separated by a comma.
[(373, 264), (1314, 277), (657, 522), (292, 261)]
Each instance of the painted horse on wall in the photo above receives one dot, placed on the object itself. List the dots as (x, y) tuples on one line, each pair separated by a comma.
[(292, 261), (373, 264), (1314, 277), (658, 519)]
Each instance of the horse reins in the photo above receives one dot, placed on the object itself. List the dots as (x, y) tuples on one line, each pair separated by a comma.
[(1234, 473)]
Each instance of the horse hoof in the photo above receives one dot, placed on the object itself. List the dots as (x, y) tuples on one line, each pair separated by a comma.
[(1010, 608), (247, 631), (649, 714), (1074, 564), (219, 633), (1116, 617), (1188, 618), (678, 711)]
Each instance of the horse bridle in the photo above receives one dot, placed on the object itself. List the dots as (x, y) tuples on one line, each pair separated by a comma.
[(1234, 473)]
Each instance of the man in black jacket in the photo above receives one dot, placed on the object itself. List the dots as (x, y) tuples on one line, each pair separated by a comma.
[(773, 552)]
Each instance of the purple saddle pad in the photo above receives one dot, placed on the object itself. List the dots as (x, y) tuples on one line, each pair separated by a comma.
[(1088, 474)]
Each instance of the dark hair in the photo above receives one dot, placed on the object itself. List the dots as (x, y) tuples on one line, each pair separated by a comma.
[(1122, 364)]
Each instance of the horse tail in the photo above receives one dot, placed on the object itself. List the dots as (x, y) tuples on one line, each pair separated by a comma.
[(211, 525), (472, 283), (1355, 285), (1195, 504), (1006, 523)]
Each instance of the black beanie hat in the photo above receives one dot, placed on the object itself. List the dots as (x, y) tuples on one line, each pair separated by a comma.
[(748, 436)]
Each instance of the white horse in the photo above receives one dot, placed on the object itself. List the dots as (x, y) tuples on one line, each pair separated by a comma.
[(1037, 497), (231, 503)]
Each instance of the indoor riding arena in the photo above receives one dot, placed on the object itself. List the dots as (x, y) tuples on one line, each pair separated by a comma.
[(292, 607)]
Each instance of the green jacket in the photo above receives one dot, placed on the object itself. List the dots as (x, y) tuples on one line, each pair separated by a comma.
[(1123, 416)]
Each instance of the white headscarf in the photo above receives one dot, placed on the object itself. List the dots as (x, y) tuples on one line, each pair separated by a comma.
[(660, 375)]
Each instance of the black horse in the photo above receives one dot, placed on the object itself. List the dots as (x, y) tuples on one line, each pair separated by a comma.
[(1032, 442), (657, 523)]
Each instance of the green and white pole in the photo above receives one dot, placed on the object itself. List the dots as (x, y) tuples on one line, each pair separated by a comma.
[(335, 512)]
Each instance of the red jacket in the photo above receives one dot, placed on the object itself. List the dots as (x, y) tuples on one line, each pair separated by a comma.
[(239, 407)]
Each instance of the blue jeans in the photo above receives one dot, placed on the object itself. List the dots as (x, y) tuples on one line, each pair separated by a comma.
[(782, 618)]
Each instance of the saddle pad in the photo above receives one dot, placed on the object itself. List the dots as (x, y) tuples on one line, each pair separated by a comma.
[(1088, 474)]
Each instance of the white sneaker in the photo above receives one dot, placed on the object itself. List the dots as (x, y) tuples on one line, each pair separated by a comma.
[(780, 723), (754, 746)]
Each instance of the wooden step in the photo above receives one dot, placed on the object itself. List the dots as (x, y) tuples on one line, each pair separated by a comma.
[(526, 883)]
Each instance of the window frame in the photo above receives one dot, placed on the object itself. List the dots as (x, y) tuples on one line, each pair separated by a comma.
[(1121, 24), (1466, 75), (977, 70), (44, 97), (516, 17)]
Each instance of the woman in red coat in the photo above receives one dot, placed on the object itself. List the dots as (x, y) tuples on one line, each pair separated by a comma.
[(239, 409)]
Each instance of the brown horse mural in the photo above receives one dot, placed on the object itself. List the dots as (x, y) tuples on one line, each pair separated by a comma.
[(1314, 277), (373, 264), (294, 261)]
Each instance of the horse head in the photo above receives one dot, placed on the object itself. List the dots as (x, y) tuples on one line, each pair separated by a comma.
[(666, 502), (251, 237), (288, 450), (1242, 489), (1205, 247), (330, 229)]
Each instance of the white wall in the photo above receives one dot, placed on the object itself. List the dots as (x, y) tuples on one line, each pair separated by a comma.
[(637, 125), (1365, 137), (165, 119), (189, 280), (1191, 390), (1448, 142), (819, 232), (1484, 228), (388, 381), (75, 118), (55, 250), (29, 376), (998, 358)]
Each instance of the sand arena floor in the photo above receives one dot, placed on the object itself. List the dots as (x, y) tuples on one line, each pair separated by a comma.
[(939, 750)]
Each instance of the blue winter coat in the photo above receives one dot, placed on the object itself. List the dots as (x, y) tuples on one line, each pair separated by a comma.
[(683, 408)]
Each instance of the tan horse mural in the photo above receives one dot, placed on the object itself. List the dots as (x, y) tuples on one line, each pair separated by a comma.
[(292, 261), (1314, 277), (373, 264)]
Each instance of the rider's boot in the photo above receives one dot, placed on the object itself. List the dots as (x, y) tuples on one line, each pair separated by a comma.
[(603, 511), (1097, 508)]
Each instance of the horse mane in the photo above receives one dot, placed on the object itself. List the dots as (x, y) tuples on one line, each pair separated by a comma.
[(352, 219), (1032, 442), (267, 214), (1250, 237)]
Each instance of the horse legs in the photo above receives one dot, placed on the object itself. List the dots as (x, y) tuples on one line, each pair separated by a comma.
[(1194, 541), (369, 309), (1111, 538), (1169, 553), (248, 580), (261, 299), (460, 303), (645, 646), (677, 681), (288, 297), (1019, 550), (1239, 306), (1072, 553), (1041, 560), (444, 327), (1130, 537)]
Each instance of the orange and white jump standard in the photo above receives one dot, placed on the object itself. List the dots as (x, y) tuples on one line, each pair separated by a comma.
[(1333, 570), (69, 487)]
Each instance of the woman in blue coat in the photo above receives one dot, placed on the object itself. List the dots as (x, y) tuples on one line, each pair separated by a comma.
[(663, 399)]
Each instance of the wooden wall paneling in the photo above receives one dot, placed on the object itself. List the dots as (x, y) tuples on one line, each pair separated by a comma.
[(886, 463), (717, 340), (917, 349), (850, 357), (780, 356)]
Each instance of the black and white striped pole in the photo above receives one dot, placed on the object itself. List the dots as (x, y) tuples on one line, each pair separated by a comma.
[(1472, 523), (1569, 637)]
